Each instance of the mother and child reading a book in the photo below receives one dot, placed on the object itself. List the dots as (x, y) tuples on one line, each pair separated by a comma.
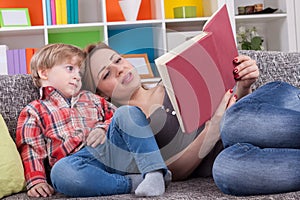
[(251, 145)]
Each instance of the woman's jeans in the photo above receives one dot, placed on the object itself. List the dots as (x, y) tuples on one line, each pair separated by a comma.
[(261, 136), (129, 148)]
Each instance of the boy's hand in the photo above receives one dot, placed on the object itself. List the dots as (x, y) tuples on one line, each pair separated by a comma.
[(96, 137), (40, 190)]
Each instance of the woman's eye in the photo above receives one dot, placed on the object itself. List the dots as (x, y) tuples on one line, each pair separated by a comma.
[(118, 60), (106, 75)]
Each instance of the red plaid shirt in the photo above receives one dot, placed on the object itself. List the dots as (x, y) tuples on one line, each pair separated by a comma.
[(54, 127)]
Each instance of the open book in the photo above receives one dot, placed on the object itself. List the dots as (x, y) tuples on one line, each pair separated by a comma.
[(197, 73)]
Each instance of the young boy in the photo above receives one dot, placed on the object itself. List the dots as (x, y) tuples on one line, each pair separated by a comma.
[(90, 153)]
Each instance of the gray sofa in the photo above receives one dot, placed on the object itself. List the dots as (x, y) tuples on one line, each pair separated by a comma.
[(16, 91)]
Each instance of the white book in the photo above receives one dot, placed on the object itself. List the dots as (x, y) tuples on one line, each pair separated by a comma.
[(3, 60)]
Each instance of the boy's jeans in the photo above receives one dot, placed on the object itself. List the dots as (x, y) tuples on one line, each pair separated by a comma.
[(261, 136), (130, 147)]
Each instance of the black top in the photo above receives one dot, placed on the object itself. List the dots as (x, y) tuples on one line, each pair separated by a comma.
[(171, 140)]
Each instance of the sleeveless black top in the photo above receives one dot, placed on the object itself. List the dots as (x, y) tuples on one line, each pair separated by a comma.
[(172, 140)]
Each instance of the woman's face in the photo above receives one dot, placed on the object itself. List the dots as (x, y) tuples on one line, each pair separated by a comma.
[(116, 77)]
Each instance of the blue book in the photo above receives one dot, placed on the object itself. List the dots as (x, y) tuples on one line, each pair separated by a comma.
[(48, 12), (75, 11), (69, 11)]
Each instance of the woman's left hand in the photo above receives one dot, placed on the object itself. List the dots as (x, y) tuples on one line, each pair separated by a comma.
[(245, 73)]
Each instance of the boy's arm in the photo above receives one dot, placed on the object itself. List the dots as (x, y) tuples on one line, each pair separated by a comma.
[(107, 110), (98, 133), (31, 145)]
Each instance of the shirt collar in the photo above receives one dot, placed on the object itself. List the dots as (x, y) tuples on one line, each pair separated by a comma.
[(47, 91)]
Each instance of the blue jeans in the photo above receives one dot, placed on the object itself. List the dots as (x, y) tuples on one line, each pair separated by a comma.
[(130, 148), (261, 136)]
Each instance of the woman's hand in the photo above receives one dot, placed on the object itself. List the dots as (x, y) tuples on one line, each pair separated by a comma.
[(185, 162), (245, 73), (40, 190), (212, 126), (96, 137)]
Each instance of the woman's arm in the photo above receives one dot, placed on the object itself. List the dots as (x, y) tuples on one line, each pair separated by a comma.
[(185, 162)]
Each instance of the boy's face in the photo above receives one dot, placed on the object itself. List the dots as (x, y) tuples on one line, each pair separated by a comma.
[(64, 77)]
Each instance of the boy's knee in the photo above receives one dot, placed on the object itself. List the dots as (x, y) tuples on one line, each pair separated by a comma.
[(128, 111), (130, 115)]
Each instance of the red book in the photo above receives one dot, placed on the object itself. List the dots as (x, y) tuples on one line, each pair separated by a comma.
[(197, 73)]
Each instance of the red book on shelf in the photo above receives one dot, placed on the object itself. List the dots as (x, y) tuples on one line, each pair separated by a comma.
[(197, 73), (29, 54)]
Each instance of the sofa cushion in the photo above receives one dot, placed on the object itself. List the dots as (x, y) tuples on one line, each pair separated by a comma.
[(12, 178), (16, 92)]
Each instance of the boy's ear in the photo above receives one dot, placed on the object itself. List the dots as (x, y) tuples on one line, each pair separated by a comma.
[(43, 74)]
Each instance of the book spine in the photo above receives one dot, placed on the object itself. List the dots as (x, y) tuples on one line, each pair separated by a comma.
[(48, 12), (3, 60), (10, 62), (53, 12), (58, 12), (75, 11), (29, 54), (69, 12), (64, 11), (16, 61), (22, 61)]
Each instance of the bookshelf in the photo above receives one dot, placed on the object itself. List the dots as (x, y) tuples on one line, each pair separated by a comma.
[(155, 30)]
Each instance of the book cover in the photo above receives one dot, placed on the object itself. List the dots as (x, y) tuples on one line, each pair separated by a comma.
[(16, 61), (3, 60), (10, 61), (53, 12), (22, 61), (197, 73), (48, 12)]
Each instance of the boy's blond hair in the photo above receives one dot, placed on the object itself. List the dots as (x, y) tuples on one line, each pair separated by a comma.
[(51, 55)]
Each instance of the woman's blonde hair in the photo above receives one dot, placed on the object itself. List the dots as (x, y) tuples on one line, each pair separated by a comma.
[(51, 55)]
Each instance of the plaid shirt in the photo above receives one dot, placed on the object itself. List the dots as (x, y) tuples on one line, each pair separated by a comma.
[(54, 127)]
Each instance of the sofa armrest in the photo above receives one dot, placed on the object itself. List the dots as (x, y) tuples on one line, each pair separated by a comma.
[(16, 91)]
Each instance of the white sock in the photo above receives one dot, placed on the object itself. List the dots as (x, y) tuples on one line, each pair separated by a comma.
[(152, 185), (136, 179)]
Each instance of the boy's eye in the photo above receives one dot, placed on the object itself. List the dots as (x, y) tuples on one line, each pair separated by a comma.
[(70, 68)]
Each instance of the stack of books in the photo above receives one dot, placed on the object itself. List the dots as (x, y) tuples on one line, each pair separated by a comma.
[(62, 12), (15, 61)]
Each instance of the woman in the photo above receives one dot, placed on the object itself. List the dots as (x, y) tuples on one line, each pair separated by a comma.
[(265, 162), (114, 77)]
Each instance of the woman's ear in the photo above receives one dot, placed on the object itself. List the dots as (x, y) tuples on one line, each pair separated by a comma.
[(43, 74)]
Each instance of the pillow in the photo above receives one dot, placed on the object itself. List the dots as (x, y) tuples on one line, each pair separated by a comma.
[(12, 178)]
